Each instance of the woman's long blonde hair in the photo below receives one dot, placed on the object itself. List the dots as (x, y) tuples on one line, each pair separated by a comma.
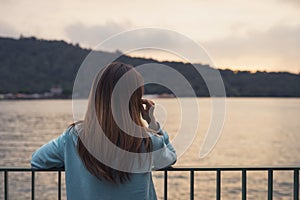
[(101, 104)]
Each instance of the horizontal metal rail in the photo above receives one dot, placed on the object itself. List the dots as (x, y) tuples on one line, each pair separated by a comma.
[(218, 170)]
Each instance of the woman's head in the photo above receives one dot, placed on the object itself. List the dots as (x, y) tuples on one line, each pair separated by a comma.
[(119, 90), (114, 107)]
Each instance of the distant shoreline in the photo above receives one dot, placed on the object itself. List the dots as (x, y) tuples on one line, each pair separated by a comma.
[(54, 75), (231, 97)]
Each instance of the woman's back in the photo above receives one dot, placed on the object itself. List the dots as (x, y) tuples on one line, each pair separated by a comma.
[(82, 185)]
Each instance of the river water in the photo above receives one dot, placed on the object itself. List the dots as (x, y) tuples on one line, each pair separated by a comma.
[(256, 132)]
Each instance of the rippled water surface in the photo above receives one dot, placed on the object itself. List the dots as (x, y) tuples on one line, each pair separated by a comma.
[(256, 132)]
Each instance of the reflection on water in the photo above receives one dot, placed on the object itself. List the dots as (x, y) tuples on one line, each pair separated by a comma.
[(257, 132)]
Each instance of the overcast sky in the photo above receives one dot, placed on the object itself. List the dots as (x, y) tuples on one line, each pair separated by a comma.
[(237, 34)]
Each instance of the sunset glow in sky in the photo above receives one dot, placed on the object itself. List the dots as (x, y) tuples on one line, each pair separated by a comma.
[(237, 34)]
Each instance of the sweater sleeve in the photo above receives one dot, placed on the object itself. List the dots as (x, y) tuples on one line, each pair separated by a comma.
[(50, 155), (170, 147), (164, 152)]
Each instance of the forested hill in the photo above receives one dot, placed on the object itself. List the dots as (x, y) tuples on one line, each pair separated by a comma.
[(31, 65)]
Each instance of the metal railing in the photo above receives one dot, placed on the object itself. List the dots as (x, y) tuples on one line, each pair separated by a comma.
[(192, 171)]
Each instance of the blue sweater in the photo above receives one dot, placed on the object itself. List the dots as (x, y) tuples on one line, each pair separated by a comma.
[(82, 185)]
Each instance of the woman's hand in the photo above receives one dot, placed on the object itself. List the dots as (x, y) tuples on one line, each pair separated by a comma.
[(148, 113)]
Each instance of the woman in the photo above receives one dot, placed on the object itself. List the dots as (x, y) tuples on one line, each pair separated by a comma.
[(109, 155)]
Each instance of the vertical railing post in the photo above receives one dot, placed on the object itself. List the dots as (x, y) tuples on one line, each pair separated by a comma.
[(6, 185), (32, 184), (192, 185), (59, 185), (244, 184), (270, 184), (296, 184), (218, 186), (165, 184)]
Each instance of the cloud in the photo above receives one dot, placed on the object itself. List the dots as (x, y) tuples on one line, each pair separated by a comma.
[(7, 30), (278, 47), (155, 42), (92, 35), (294, 2)]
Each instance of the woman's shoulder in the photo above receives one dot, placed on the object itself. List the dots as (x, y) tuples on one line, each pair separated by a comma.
[(73, 131)]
